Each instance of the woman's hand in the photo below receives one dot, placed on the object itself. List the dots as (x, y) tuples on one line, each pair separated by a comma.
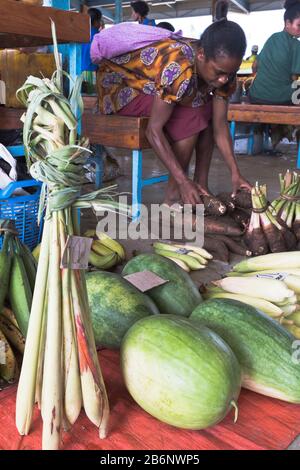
[(238, 182), (190, 192)]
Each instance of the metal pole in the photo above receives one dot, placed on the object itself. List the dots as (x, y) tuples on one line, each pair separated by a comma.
[(118, 11)]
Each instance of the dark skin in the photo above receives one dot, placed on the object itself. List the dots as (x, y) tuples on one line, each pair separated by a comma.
[(176, 156)]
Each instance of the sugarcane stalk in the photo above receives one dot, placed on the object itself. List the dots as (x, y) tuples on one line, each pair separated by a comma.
[(41, 355), (27, 381), (86, 320), (72, 386), (91, 391), (52, 381)]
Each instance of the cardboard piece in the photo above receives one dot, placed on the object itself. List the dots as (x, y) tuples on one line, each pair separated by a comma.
[(76, 252), (145, 280)]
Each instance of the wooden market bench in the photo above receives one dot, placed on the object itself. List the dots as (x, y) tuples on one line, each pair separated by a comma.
[(122, 132), (263, 114), (130, 133)]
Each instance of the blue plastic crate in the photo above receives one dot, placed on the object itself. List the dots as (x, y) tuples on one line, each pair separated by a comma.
[(23, 210)]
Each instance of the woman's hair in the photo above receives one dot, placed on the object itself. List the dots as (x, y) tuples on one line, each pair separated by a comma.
[(292, 10), (166, 25), (223, 38), (221, 10), (95, 15), (140, 7)]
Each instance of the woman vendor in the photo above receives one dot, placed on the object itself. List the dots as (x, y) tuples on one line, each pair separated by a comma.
[(278, 64), (184, 86)]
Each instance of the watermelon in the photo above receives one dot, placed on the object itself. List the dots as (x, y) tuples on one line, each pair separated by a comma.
[(179, 296), (115, 306), (181, 374), (267, 353)]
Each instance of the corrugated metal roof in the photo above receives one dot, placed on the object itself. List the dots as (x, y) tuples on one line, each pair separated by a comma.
[(182, 8)]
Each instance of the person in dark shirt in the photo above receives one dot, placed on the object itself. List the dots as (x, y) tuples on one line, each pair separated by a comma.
[(278, 64)]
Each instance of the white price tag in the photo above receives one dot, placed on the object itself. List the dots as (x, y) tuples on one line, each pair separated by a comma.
[(145, 280), (76, 252), (275, 276)]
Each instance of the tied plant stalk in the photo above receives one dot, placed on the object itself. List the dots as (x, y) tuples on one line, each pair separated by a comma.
[(287, 205), (60, 368), (267, 232)]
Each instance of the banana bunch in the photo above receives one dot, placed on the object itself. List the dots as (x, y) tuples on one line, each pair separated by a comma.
[(105, 252), (11, 340), (188, 257), (17, 274)]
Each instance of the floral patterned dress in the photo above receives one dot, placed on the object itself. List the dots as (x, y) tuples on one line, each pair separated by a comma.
[(165, 69)]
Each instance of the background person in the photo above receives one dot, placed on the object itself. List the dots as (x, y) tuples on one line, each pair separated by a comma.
[(87, 67), (140, 11), (278, 64)]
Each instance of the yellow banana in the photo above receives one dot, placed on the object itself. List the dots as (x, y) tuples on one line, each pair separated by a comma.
[(295, 330), (295, 317), (101, 249), (90, 234), (103, 262), (180, 263), (13, 334), (8, 313), (192, 263), (114, 245), (201, 251), (184, 250), (8, 363), (198, 257), (36, 252)]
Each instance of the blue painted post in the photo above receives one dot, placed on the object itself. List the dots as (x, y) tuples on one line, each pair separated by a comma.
[(137, 183), (232, 130), (298, 159), (98, 159), (118, 11), (250, 149)]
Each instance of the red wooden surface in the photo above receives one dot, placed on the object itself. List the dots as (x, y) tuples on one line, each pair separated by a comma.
[(263, 424)]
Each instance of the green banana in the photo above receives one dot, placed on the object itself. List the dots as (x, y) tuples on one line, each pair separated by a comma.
[(192, 263), (8, 363), (29, 263), (20, 294), (13, 334), (103, 262), (5, 267)]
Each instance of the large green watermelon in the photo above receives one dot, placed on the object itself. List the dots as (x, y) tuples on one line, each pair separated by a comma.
[(183, 374), (115, 306), (179, 296)]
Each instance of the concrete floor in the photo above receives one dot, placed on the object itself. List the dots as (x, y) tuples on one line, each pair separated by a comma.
[(261, 168)]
